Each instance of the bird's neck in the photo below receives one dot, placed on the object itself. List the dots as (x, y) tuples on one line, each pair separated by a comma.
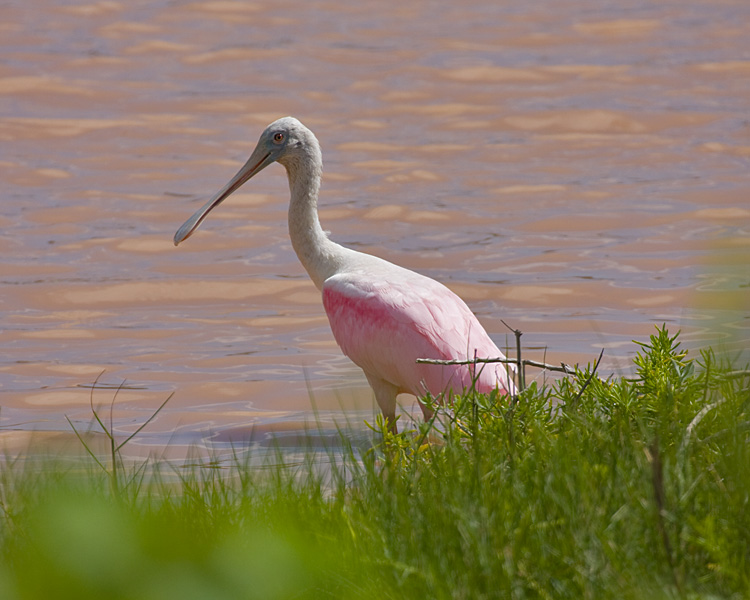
[(319, 255)]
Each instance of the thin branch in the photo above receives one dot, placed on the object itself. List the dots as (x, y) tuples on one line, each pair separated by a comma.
[(563, 368), (588, 379), (519, 363)]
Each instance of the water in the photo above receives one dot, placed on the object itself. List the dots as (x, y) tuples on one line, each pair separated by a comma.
[(577, 169)]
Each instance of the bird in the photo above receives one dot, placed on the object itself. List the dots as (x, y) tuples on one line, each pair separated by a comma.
[(383, 316)]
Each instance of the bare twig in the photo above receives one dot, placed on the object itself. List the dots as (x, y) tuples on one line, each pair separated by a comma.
[(563, 368), (589, 378), (519, 363)]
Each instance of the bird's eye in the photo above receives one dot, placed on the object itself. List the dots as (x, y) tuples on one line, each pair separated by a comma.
[(278, 137)]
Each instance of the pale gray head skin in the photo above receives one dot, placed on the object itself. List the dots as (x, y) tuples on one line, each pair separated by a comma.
[(286, 141)]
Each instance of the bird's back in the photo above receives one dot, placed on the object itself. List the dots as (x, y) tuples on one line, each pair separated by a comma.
[(384, 317)]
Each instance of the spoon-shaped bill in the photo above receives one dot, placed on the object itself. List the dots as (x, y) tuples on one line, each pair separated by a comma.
[(250, 168)]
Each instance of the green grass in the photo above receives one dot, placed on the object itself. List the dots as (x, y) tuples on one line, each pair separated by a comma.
[(626, 488)]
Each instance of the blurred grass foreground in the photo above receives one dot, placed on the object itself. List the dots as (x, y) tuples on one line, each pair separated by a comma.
[(589, 488)]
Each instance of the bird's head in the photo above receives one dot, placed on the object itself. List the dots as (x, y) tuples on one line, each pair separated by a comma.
[(286, 141)]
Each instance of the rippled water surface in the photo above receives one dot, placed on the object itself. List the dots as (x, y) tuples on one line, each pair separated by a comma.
[(577, 169)]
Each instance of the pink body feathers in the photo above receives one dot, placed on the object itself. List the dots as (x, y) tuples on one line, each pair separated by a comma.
[(384, 326)]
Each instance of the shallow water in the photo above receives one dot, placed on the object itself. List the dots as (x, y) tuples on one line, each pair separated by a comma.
[(577, 169)]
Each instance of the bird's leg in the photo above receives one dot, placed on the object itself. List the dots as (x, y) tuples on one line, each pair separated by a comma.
[(385, 395), (427, 412)]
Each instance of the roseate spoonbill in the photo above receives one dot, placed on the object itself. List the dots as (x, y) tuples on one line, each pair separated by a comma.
[(383, 316)]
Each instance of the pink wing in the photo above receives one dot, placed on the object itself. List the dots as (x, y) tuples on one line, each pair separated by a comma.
[(384, 327)]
